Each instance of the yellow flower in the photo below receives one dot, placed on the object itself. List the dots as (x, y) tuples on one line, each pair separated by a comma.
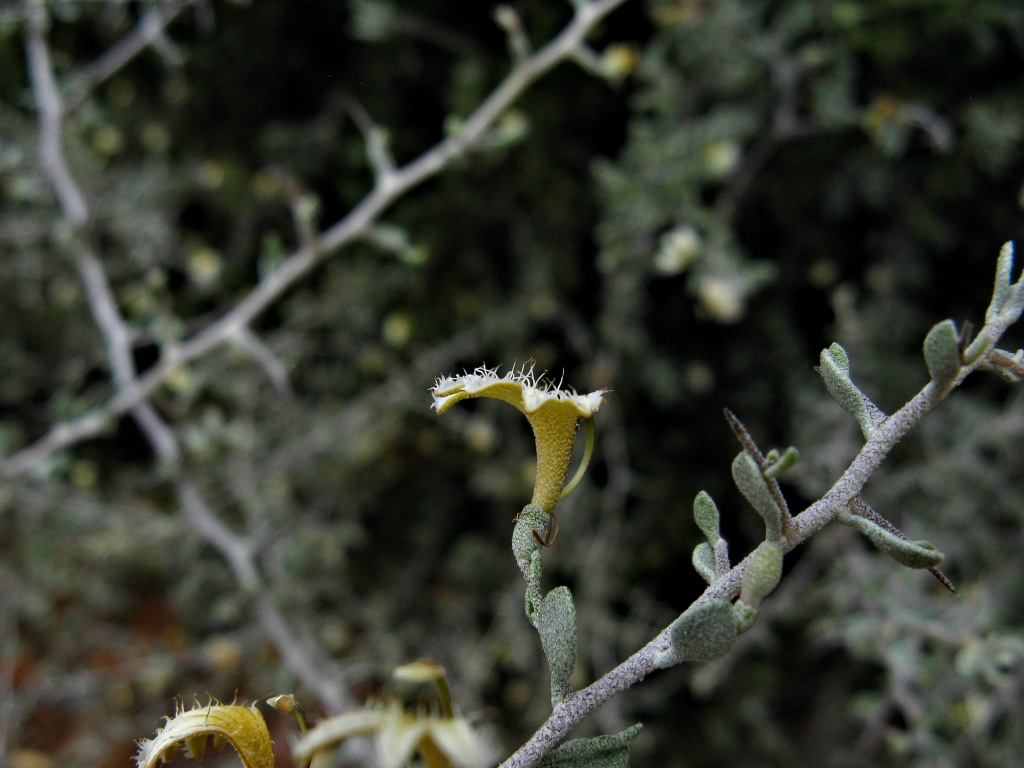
[(552, 412), (442, 742), (243, 727)]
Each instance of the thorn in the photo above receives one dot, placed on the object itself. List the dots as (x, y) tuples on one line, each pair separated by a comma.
[(942, 579), (745, 438)]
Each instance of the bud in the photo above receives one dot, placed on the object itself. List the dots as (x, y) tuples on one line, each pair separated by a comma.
[(285, 702), (780, 464), (942, 354)]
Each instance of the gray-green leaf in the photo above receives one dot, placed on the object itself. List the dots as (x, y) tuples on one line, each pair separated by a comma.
[(942, 354), (835, 370), (762, 573), (704, 632), (705, 514), (1004, 278), (597, 752), (913, 554), (704, 561), (754, 488), (556, 624)]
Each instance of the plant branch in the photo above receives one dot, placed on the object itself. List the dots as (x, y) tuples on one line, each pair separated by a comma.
[(149, 30), (303, 655), (277, 373), (571, 710), (388, 189), (300, 651), (102, 305)]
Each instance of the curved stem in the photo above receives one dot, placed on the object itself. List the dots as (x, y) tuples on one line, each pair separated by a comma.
[(588, 451)]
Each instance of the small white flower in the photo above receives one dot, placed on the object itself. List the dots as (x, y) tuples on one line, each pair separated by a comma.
[(678, 249), (722, 299)]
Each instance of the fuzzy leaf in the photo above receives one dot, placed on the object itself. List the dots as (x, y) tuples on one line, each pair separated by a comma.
[(705, 514), (942, 354), (556, 624), (1004, 278), (754, 488), (839, 357), (835, 370), (702, 633), (762, 573), (704, 561), (597, 752), (913, 554)]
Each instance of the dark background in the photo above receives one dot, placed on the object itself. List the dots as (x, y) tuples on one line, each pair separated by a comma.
[(843, 171)]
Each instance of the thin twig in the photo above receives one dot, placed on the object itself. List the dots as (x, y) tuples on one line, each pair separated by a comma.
[(294, 642), (48, 103), (301, 652), (9, 641), (377, 150), (300, 262), (746, 440), (115, 332), (276, 372), (149, 29)]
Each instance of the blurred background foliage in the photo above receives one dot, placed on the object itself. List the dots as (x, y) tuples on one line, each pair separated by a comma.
[(758, 179)]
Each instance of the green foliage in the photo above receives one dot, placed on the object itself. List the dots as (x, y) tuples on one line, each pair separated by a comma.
[(703, 560), (596, 752), (556, 625), (942, 354), (913, 554), (762, 574), (702, 633), (754, 488), (835, 370), (781, 463), (705, 514)]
